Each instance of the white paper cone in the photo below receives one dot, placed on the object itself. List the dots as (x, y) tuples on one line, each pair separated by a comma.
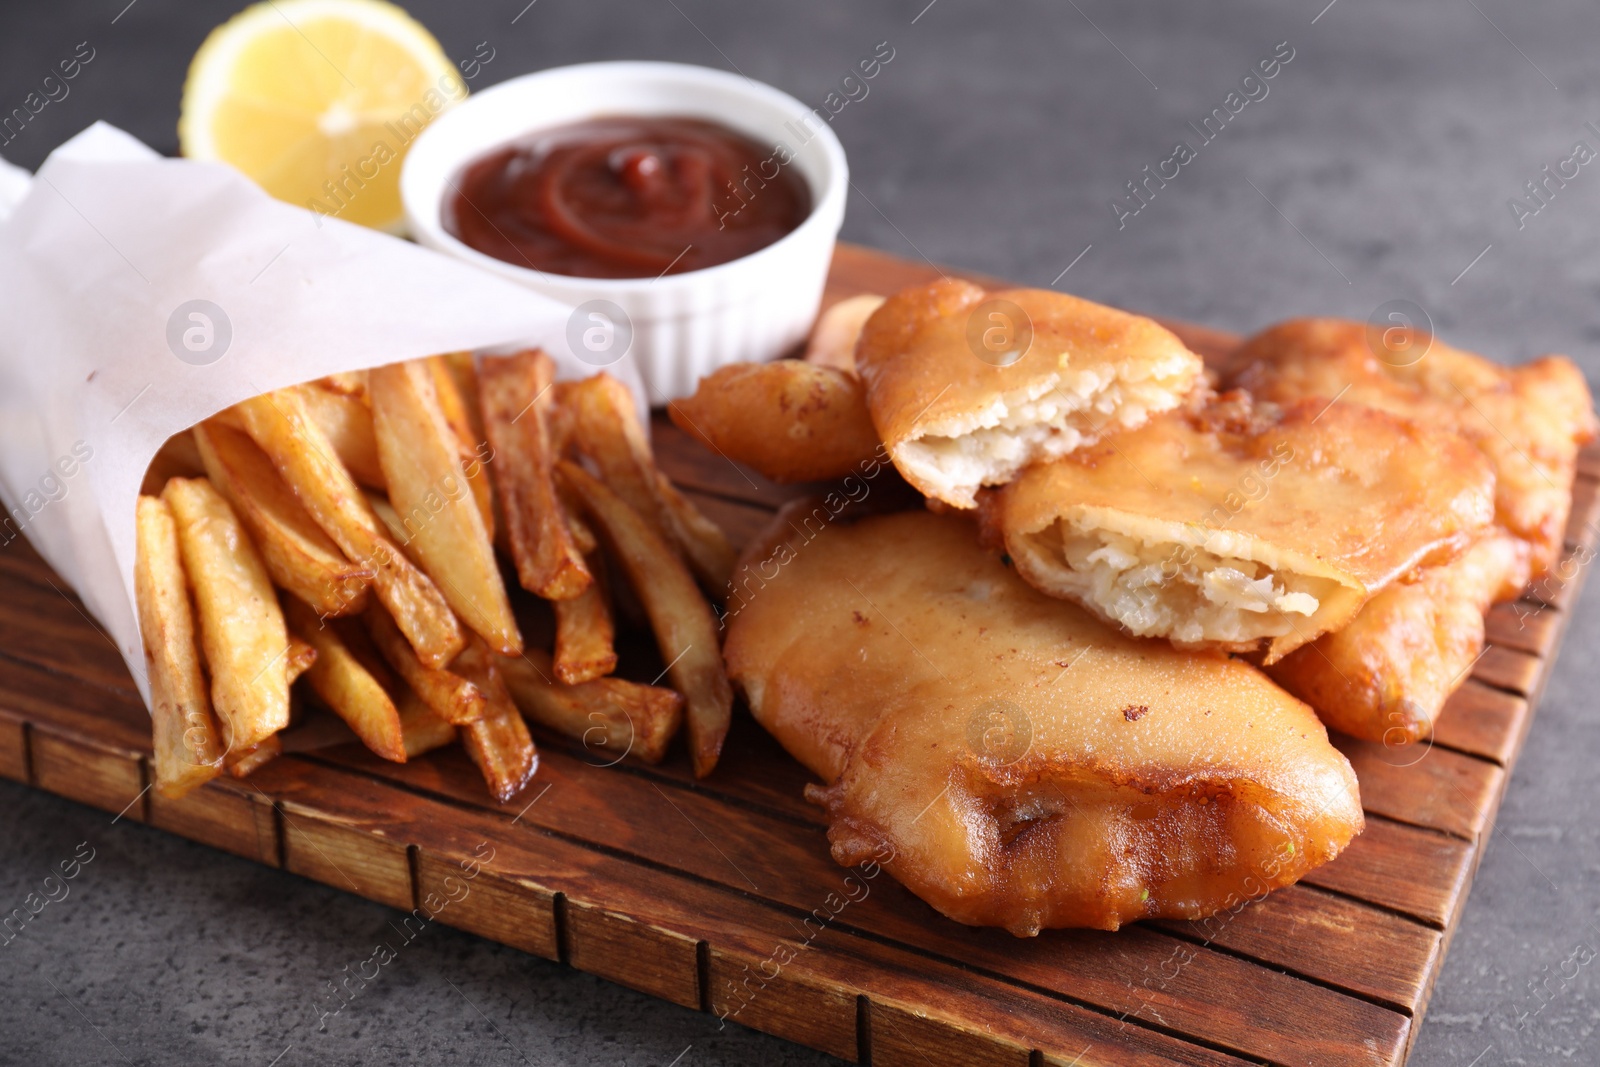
[(104, 352)]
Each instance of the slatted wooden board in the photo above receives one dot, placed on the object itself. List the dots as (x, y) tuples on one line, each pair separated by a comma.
[(721, 895)]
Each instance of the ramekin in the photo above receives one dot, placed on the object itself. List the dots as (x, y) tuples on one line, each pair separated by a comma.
[(685, 325)]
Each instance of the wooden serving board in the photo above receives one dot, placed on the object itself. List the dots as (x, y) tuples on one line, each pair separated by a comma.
[(721, 895)]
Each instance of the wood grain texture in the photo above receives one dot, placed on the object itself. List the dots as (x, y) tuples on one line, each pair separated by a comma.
[(722, 895)]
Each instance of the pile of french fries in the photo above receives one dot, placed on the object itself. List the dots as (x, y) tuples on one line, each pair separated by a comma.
[(335, 543)]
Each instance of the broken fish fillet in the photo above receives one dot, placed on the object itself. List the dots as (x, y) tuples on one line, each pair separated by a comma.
[(966, 386), (1243, 528), (1529, 420), (1026, 765)]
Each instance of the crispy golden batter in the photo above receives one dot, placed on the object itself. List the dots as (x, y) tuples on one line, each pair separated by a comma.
[(1242, 528), (966, 387), (833, 338), (1529, 420), (1386, 676), (1024, 765), (793, 421)]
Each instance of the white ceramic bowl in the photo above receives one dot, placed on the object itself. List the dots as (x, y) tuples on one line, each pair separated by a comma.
[(683, 326)]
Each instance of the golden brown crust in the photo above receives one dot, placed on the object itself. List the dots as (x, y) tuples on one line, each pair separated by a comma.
[(1011, 760), (1529, 420), (1385, 677), (1344, 496), (930, 375), (793, 421)]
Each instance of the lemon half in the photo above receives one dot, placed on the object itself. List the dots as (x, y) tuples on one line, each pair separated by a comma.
[(317, 101)]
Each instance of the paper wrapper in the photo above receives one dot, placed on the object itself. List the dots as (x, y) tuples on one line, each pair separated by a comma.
[(102, 259)]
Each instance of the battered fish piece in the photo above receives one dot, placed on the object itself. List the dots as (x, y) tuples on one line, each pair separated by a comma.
[(1241, 527), (1529, 420), (1025, 765), (793, 421), (967, 387), (833, 338), (1386, 676)]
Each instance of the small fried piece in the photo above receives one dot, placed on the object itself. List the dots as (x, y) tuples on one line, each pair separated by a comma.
[(451, 381), (686, 631), (968, 387), (299, 556), (585, 636), (793, 421), (606, 429), (177, 458), (241, 625), (1386, 676), (346, 420), (301, 658), (420, 456), (452, 697), (345, 682), (252, 759), (618, 716), (1241, 529), (834, 337), (512, 391), (499, 743), (345, 383), (280, 425), (186, 740), (709, 553), (423, 731)]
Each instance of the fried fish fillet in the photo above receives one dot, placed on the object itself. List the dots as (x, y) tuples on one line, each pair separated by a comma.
[(1529, 420), (1385, 677), (1243, 527), (1025, 765), (966, 387)]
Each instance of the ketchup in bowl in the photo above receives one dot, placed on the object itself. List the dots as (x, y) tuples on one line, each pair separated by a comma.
[(626, 198)]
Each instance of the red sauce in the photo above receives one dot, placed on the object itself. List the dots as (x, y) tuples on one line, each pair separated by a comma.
[(626, 198)]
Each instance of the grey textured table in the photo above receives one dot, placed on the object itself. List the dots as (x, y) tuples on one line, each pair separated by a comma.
[(1378, 166)]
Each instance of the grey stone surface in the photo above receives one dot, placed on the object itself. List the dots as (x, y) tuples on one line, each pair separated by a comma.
[(1377, 167)]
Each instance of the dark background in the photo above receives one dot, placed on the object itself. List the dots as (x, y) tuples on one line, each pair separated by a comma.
[(1377, 168)]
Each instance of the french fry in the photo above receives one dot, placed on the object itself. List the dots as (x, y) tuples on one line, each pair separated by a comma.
[(299, 556), (686, 631), (241, 626), (474, 447), (584, 636), (187, 741), (711, 557), (422, 730), (177, 458), (345, 383), (301, 657), (582, 536), (280, 425), (346, 420), (499, 743), (393, 525), (511, 389), (250, 760), (612, 714), (452, 697), (419, 454), (606, 429), (347, 684)]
